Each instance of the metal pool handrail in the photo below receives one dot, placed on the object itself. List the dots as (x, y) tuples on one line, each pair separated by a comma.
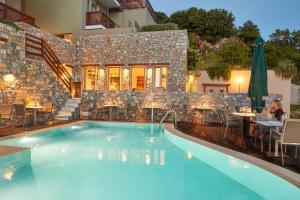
[(167, 114)]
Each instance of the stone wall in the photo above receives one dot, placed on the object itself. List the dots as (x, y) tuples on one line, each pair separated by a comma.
[(216, 100), (34, 80), (148, 48), (12, 50), (126, 49), (64, 50)]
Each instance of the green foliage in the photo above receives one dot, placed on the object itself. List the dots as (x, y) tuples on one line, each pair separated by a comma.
[(159, 27), (162, 18), (234, 53), (276, 53), (285, 69), (219, 71), (192, 58), (211, 25), (10, 23), (248, 32)]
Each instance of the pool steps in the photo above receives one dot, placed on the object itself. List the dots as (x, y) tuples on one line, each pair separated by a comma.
[(68, 111)]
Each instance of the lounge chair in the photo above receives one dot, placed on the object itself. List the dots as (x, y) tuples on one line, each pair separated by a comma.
[(289, 135)]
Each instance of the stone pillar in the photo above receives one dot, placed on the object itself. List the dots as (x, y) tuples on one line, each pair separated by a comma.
[(125, 83), (100, 78), (149, 77)]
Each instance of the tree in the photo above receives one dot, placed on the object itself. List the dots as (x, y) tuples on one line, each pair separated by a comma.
[(211, 25), (219, 23), (162, 18), (295, 39), (280, 36), (248, 32)]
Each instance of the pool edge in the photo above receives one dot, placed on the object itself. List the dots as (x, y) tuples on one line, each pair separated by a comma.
[(286, 174)]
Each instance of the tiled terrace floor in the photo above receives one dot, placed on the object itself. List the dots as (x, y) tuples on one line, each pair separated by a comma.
[(208, 132)]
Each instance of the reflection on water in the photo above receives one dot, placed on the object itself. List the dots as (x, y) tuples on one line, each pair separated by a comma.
[(136, 157)]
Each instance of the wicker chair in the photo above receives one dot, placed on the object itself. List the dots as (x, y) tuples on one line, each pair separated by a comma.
[(6, 115), (20, 112), (48, 108)]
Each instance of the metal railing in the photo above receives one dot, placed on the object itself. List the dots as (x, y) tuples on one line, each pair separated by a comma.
[(99, 18), (12, 14), (135, 4), (167, 114)]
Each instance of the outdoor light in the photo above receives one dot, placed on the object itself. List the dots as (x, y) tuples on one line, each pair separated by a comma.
[(240, 81), (9, 78), (191, 78)]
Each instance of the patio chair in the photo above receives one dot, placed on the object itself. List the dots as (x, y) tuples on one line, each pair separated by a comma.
[(48, 108), (6, 115), (260, 117), (231, 122), (20, 112), (98, 109), (289, 135)]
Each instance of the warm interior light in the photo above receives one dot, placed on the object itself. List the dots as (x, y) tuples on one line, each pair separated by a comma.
[(9, 78)]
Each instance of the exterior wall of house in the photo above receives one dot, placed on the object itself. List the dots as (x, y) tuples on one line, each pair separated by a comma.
[(34, 80), (140, 16), (275, 85), (58, 16), (295, 98), (167, 47), (17, 4)]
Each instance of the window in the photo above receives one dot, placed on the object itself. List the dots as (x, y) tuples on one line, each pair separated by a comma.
[(160, 76), (138, 78), (114, 78)]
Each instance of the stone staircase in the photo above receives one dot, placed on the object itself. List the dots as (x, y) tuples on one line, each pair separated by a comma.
[(70, 110)]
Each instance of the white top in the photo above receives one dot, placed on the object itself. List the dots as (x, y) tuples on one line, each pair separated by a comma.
[(270, 123)]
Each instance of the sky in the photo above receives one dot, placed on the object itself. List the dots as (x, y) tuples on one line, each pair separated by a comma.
[(269, 15)]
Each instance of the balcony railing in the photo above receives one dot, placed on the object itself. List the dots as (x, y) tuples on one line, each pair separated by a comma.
[(11, 14), (99, 18), (135, 4)]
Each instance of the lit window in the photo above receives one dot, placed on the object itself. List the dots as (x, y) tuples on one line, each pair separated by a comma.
[(138, 78), (114, 79), (89, 74), (160, 76)]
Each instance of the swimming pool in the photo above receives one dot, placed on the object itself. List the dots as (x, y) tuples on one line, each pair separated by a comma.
[(114, 161)]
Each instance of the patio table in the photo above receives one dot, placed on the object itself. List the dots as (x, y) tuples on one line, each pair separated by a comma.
[(110, 106), (34, 109), (270, 125), (244, 116)]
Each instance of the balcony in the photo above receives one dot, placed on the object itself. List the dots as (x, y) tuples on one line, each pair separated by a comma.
[(135, 4), (97, 19), (11, 14)]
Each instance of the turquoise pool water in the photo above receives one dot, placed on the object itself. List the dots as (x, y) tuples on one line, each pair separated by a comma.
[(115, 161)]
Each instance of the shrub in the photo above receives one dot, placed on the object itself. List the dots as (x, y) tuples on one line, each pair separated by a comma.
[(10, 23), (159, 27), (286, 69)]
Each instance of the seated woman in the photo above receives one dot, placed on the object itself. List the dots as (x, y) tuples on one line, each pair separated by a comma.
[(276, 109)]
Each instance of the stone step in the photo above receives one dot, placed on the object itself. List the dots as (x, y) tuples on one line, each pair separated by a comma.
[(65, 113), (62, 117), (68, 109)]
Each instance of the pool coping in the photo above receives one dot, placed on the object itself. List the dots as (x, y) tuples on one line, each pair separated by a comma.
[(286, 174)]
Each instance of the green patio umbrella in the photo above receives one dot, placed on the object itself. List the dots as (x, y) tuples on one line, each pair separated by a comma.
[(258, 87)]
